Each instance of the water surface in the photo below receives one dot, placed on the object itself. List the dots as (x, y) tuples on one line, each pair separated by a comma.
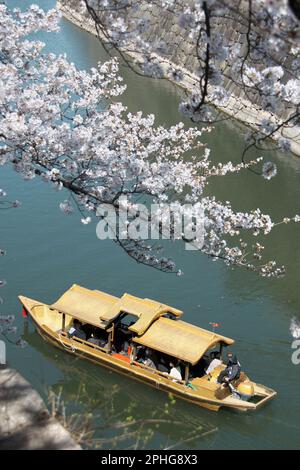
[(47, 252)]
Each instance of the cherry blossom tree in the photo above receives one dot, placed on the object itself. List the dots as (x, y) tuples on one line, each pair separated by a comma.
[(7, 326), (66, 126), (220, 48)]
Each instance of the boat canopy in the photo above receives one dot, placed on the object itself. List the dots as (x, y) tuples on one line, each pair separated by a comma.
[(99, 309), (180, 339), (86, 305), (146, 310)]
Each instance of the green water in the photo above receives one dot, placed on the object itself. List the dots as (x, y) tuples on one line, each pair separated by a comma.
[(47, 252)]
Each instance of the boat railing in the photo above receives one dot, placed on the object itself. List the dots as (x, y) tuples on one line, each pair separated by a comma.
[(86, 343), (165, 375)]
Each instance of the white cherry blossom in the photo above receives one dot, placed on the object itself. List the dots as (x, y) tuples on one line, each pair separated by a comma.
[(66, 126)]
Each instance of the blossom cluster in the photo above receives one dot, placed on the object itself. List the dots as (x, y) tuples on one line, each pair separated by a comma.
[(66, 126), (251, 46)]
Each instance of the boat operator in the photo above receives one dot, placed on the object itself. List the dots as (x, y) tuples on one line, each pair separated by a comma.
[(232, 371)]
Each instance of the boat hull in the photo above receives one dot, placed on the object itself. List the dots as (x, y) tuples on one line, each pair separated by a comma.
[(126, 371)]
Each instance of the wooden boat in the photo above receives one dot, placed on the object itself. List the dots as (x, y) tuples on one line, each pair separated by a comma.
[(154, 327)]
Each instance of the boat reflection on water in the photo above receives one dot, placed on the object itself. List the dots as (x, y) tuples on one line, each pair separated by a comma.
[(121, 414)]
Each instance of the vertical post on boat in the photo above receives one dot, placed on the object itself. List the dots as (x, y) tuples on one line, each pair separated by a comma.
[(109, 342), (187, 373), (110, 337), (133, 354), (63, 322)]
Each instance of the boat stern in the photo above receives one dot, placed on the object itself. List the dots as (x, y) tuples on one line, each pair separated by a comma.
[(262, 395)]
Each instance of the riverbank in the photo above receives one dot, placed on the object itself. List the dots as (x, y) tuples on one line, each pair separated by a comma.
[(237, 106), (25, 422)]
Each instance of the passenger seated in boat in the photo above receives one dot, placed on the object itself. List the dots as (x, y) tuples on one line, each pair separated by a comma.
[(94, 340), (125, 349), (123, 337), (163, 363), (175, 371), (149, 359), (87, 329), (215, 358), (232, 371), (199, 369), (140, 354), (162, 367), (77, 330), (98, 337)]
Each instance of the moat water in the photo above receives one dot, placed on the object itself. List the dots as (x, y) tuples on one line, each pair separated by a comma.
[(47, 252)]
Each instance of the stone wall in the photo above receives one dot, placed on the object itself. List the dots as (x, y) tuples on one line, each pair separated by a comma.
[(25, 423), (245, 109)]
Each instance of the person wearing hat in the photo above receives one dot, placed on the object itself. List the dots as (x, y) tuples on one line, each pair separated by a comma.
[(232, 371)]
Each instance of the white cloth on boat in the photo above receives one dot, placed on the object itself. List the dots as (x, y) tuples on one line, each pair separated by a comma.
[(175, 373), (214, 363)]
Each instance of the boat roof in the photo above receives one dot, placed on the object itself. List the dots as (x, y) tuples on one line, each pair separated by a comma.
[(172, 337), (100, 309), (180, 339)]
